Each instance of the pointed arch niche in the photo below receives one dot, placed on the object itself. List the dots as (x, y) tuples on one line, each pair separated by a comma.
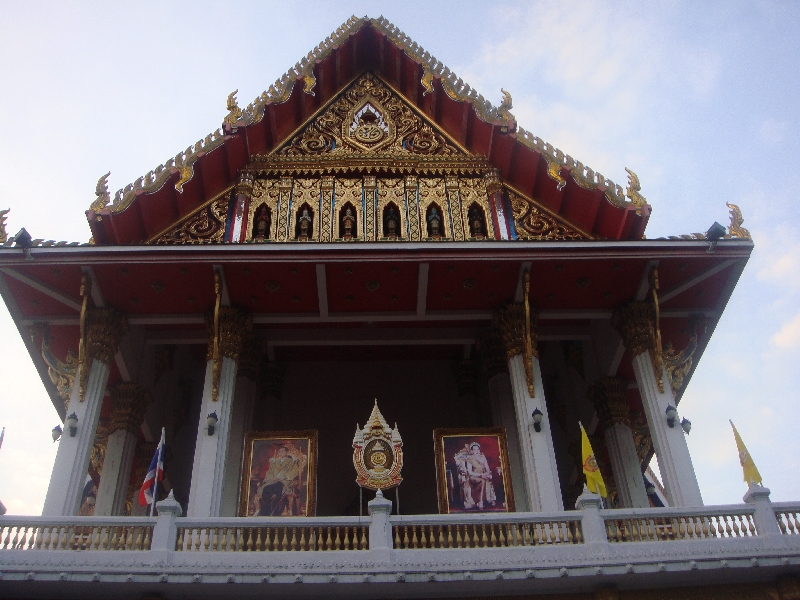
[(347, 222), (434, 226), (347, 195), (265, 195), (391, 192), (476, 222), (304, 221)]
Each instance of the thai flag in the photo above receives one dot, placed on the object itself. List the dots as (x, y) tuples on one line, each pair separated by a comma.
[(154, 475)]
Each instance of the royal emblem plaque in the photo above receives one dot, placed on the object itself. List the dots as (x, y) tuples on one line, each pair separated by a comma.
[(377, 453)]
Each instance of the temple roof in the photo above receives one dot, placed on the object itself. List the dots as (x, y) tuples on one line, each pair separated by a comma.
[(557, 183)]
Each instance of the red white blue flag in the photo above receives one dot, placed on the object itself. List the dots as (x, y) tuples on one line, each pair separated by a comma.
[(154, 474)]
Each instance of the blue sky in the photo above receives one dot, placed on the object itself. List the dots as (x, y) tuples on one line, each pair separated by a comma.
[(700, 99)]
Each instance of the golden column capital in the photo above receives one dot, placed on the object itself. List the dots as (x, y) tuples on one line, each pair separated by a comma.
[(492, 180), (129, 402), (104, 330), (609, 396), (511, 322), (234, 326), (634, 321)]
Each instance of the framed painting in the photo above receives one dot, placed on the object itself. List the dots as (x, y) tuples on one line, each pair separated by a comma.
[(472, 472), (279, 474)]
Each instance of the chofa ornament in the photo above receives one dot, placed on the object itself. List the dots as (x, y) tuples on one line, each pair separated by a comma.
[(377, 453)]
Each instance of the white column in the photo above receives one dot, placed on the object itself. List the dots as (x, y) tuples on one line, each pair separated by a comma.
[(504, 415), (72, 459), (538, 453), (211, 451), (672, 451), (115, 478), (241, 421), (625, 466)]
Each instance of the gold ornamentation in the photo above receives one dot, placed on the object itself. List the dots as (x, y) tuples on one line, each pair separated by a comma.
[(234, 112), (129, 402), (326, 208), (678, 364), (265, 193), (206, 226), (412, 201), (492, 181), (370, 185), (656, 356), (636, 323), (472, 190), (609, 396), (535, 224), (641, 436), (430, 191), (517, 322), (305, 191), (348, 190), (62, 374), (98, 453), (454, 204), (245, 184), (735, 229), (530, 342), (377, 453), (391, 190), (216, 369), (101, 191), (285, 185), (506, 104), (234, 326), (101, 331), (634, 187)]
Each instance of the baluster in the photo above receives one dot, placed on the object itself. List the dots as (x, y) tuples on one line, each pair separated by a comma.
[(538, 532), (793, 520), (750, 525), (492, 536), (737, 531), (95, 536), (284, 534), (431, 537), (423, 539), (561, 535), (338, 541), (303, 539), (139, 538), (570, 538), (364, 540), (16, 537), (208, 538), (781, 524), (441, 536), (346, 539), (704, 523), (194, 539), (131, 538), (329, 543), (268, 547), (40, 538), (697, 531), (728, 526), (578, 532), (24, 539), (147, 538), (527, 534), (293, 544), (414, 539), (239, 533), (681, 529), (501, 535), (397, 543), (312, 539), (214, 537), (468, 535), (458, 535)]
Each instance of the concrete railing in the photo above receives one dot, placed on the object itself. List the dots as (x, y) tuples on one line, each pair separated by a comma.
[(76, 533)]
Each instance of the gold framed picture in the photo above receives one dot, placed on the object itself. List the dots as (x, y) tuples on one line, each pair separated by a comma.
[(279, 474), (472, 473)]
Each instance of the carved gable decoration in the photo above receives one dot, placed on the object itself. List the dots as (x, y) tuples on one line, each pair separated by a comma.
[(368, 117)]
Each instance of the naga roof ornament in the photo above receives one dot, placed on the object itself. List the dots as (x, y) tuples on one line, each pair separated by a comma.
[(432, 68)]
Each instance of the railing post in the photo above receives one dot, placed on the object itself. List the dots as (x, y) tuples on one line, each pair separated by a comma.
[(165, 532), (380, 530), (592, 523), (764, 517)]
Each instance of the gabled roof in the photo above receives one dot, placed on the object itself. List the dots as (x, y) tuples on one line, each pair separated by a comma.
[(203, 172)]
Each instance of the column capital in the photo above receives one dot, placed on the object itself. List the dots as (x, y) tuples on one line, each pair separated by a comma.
[(129, 401), (104, 330), (492, 352), (234, 326), (634, 321), (511, 321), (251, 357), (609, 396)]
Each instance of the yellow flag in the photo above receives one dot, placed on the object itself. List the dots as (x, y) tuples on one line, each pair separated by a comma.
[(594, 480), (749, 469)]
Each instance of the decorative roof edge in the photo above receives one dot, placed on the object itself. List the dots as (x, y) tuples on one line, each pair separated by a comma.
[(454, 87)]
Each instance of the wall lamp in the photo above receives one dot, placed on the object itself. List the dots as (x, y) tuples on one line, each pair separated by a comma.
[(713, 235), (24, 240), (672, 415), (649, 487), (686, 424), (56, 433), (537, 419), (72, 424), (91, 498), (212, 422)]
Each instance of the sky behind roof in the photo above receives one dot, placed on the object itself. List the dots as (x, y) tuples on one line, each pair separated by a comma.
[(699, 99)]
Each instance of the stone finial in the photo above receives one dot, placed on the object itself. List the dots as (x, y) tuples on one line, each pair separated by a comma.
[(234, 326), (634, 321), (609, 396), (129, 401), (511, 321)]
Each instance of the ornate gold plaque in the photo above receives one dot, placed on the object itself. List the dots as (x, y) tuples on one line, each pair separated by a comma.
[(378, 453)]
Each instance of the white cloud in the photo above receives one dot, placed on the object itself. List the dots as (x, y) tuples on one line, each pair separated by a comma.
[(788, 337)]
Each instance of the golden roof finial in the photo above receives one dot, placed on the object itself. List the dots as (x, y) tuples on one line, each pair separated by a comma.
[(735, 229), (3, 233), (506, 104), (634, 187), (234, 112), (101, 191)]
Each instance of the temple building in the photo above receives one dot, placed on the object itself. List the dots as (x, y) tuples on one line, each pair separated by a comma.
[(370, 245)]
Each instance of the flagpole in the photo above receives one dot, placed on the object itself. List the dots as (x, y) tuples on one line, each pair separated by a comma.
[(155, 482)]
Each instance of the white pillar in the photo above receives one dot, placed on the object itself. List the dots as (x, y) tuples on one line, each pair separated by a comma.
[(115, 477), (625, 466), (672, 451), (504, 415), (211, 451), (241, 421), (538, 453), (72, 459)]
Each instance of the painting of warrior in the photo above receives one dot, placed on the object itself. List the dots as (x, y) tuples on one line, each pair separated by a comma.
[(279, 474), (472, 470)]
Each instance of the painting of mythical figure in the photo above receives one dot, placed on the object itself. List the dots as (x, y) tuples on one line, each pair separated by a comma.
[(472, 470), (279, 474)]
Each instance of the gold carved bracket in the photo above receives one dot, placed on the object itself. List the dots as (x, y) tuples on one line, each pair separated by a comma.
[(216, 369), (528, 337)]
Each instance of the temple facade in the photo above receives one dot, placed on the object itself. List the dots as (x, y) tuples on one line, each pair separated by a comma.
[(371, 245)]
